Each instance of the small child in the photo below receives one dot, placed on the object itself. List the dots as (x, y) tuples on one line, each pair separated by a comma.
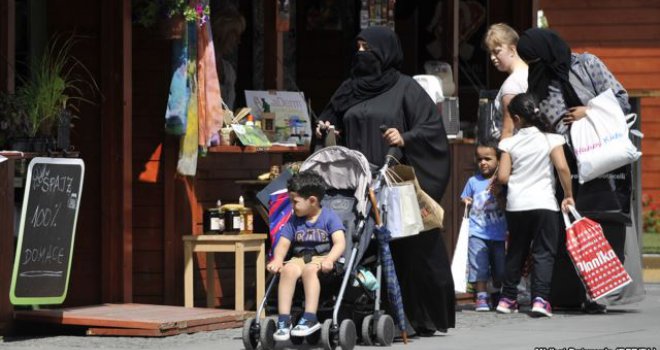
[(531, 209), (316, 236), (487, 226)]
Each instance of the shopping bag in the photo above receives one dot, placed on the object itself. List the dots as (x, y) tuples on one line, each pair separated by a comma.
[(597, 265), (460, 259), (431, 212), (489, 118), (402, 212), (600, 140)]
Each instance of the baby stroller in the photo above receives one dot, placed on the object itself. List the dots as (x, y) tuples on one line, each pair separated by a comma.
[(345, 298)]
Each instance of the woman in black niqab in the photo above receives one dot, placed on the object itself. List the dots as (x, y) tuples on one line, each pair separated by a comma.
[(378, 94), (549, 58)]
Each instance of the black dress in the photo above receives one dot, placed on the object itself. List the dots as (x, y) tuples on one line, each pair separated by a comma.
[(421, 262)]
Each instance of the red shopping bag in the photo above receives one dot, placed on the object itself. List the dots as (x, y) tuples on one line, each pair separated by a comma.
[(599, 268)]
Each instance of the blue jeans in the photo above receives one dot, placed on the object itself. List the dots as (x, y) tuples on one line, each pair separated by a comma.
[(486, 258)]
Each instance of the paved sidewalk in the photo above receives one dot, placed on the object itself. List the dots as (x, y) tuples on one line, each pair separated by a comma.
[(632, 326)]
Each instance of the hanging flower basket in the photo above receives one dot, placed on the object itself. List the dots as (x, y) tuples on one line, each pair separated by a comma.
[(173, 27)]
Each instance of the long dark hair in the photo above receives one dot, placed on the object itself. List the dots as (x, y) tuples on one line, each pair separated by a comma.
[(525, 106)]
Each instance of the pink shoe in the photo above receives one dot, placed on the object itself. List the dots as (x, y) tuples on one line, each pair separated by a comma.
[(507, 306), (541, 307)]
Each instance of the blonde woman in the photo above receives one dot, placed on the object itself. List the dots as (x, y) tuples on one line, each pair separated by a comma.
[(501, 41)]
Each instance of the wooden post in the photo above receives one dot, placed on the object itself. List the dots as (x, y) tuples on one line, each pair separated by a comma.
[(240, 277), (7, 45), (6, 242), (189, 297), (116, 169), (271, 43), (261, 275)]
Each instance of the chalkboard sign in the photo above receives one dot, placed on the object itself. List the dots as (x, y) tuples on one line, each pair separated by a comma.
[(53, 191)]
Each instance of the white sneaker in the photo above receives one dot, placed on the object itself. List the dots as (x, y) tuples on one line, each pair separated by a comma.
[(305, 328), (283, 331)]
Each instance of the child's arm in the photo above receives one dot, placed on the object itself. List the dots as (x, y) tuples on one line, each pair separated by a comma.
[(504, 170), (559, 161), (281, 249), (467, 194), (338, 247)]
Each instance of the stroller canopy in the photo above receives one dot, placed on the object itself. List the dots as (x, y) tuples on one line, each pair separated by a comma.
[(342, 169)]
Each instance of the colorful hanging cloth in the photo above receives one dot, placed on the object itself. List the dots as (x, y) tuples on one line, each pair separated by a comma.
[(188, 151), (208, 93)]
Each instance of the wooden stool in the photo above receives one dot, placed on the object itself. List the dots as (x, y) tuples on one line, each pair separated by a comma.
[(238, 244)]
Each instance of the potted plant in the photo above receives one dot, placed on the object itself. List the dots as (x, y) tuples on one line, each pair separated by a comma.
[(170, 15), (45, 102)]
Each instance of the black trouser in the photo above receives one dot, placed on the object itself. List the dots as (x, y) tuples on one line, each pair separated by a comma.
[(541, 228)]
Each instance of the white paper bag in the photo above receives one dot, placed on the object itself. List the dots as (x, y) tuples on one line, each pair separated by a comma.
[(460, 259), (600, 140), (403, 216)]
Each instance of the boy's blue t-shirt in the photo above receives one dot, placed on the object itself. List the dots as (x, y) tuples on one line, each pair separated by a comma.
[(487, 220), (310, 234)]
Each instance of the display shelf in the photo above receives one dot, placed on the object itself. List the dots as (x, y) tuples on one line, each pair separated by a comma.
[(252, 149)]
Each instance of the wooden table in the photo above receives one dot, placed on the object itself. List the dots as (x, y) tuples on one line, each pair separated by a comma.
[(238, 244)]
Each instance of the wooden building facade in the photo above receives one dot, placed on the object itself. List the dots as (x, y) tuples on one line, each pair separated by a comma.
[(136, 208)]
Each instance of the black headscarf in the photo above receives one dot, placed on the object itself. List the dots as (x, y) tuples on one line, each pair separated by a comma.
[(554, 63), (384, 44)]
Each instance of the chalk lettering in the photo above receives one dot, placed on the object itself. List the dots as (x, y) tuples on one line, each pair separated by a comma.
[(45, 217), (49, 254)]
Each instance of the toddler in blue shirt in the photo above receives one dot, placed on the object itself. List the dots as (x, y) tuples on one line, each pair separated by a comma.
[(487, 225)]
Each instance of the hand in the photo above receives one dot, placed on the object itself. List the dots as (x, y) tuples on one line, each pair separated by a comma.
[(566, 202), (575, 114), (324, 125), (327, 265), (393, 137), (274, 266), (467, 201)]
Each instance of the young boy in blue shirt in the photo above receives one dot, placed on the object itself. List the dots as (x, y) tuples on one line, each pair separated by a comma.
[(487, 225), (315, 235)]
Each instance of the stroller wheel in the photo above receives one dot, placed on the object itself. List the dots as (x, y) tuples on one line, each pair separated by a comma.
[(328, 335), (250, 334), (385, 330), (313, 338), (266, 333), (347, 334), (296, 340), (368, 330)]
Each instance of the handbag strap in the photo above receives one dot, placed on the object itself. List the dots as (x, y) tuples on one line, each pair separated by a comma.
[(392, 177)]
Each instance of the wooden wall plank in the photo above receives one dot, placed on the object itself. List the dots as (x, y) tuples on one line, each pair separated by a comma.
[(611, 33), (150, 262), (566, 5), (147, 239), (604, 16)]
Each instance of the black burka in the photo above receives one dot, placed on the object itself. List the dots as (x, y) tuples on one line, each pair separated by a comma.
[(421, 262), (378, 94)]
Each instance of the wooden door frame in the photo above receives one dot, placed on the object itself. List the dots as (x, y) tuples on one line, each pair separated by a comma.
[(116, 143)]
